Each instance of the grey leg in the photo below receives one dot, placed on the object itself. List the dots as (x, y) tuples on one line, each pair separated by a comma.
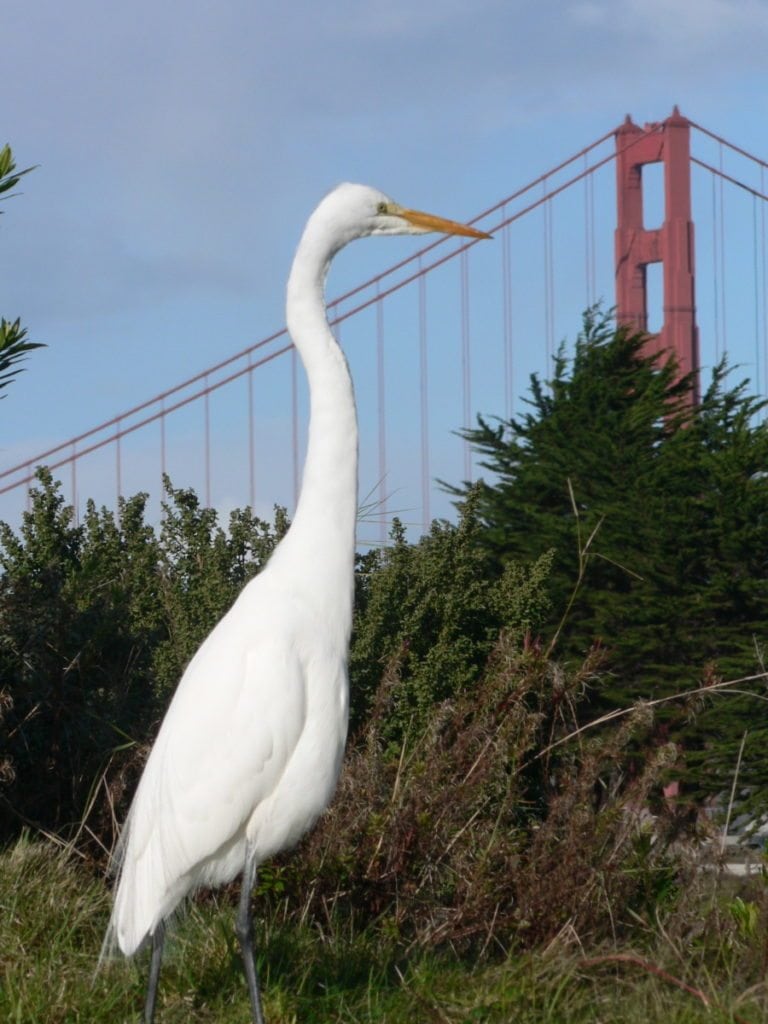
[(154, 973), (244, 932)]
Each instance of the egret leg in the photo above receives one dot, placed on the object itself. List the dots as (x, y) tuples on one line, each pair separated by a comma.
[(244, 932), (154, 973)]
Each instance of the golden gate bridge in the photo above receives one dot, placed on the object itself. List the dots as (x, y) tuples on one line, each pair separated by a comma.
[(685, 261)]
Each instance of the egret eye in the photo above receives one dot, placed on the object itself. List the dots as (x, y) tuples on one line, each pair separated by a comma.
[(381, 208)]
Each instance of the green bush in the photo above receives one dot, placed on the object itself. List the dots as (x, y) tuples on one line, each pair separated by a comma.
[(656, 512), (97, 621), (437, 608)]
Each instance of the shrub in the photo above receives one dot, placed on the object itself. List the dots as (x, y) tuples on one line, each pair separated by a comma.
[(97, 621), (480, 830)]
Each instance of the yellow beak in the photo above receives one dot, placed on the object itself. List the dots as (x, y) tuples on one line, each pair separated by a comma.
[(429, 222)]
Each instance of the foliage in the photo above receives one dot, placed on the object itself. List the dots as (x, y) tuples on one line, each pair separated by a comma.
[(457, 697), (9, 176), (53, 664), (13, 337), (13, 349), (655, 511), (202, 569), (97, 621), (481, 830), (435, 607)]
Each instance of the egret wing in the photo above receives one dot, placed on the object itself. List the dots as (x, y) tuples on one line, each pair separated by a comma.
[(228, 734)]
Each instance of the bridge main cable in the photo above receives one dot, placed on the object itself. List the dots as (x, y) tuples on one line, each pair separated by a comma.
[(26, 464)]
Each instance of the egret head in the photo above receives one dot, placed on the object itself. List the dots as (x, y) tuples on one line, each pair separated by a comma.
[(356, 211)]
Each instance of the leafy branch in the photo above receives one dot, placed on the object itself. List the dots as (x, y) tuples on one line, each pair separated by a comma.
[(13, 348), (9, 176)]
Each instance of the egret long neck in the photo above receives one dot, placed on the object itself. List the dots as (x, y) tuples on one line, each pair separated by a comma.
[(323, 527)]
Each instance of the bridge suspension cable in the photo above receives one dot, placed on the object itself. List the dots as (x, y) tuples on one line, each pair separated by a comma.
[(119, 426), (497, 218)]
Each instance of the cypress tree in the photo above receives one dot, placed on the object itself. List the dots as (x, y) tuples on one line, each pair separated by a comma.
[(657, 514)]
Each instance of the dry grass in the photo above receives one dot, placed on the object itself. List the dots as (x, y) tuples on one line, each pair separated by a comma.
[(465, 838), (703, 964)]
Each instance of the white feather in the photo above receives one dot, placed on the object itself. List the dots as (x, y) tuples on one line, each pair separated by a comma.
[(249, 752)]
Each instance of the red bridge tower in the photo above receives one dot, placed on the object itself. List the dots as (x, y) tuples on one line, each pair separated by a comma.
[(671, 244)]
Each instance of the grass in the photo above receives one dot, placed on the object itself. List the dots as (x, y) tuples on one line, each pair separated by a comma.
[(53, 914)]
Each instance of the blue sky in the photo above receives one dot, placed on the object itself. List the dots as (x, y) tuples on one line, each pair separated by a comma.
[(181, 147)]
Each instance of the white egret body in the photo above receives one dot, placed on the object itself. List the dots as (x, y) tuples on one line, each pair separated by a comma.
[(249, 752)]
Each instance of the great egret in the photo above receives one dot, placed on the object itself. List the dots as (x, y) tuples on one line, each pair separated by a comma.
[(250, 748)]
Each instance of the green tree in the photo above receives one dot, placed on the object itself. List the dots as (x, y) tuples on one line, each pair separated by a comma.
[(656, 512)]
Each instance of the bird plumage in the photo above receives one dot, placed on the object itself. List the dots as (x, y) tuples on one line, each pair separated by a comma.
[(278, 711), (249, 752)]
